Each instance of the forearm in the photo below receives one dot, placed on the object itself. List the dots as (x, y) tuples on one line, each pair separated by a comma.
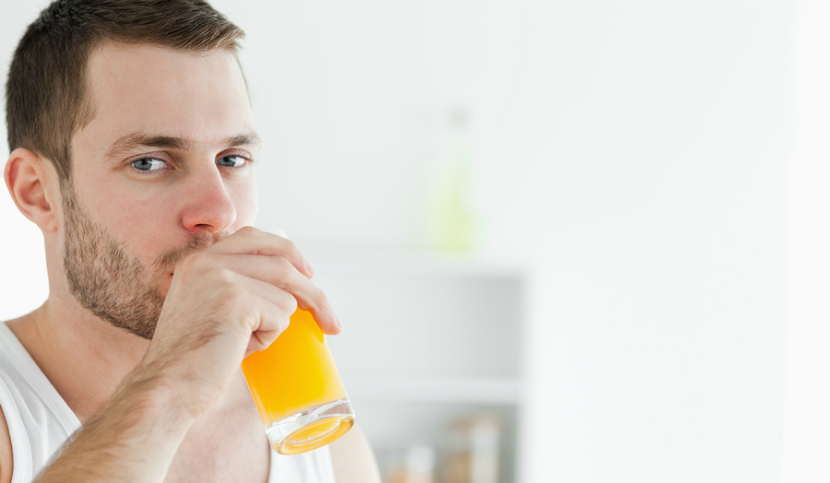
[(132, 438), (353, 459)]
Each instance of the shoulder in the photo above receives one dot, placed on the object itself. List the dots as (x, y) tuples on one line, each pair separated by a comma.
[(6, 462)]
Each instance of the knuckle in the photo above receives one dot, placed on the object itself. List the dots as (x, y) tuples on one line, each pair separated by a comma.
[(283, 265), (295, 253), (226, 277), (275, 320), (319, 298), (259, 237), (292, 304), (250, 230), (291, 248), (284, 321), (197, 261), (227, 292), (189, 263), (285, 301)]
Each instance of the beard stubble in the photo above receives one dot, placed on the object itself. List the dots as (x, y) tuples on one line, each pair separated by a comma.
[(106, 280)]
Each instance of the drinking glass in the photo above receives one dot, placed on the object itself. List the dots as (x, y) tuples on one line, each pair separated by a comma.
[(297, 389)]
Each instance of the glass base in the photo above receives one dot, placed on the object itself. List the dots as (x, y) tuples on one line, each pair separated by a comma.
[(311, 428)]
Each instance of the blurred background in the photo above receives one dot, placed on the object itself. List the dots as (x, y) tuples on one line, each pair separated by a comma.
[(569, 241)]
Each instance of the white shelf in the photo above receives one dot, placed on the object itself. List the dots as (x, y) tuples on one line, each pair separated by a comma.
[(430, 341), (466, 390)]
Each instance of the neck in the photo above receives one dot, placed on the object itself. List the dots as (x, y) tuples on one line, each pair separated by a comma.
[(84, 357)]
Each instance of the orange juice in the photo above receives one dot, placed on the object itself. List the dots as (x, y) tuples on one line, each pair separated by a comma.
[(297, 389)]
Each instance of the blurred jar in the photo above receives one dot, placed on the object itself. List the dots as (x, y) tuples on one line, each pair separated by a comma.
[(418, 467), (473, 450)]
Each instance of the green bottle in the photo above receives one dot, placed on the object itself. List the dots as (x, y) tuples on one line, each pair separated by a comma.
[(453, 223)]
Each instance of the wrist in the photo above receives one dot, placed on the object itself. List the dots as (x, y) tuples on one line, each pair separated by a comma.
[(156, 395)]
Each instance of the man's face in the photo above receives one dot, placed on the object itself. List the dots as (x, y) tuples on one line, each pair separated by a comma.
[(163, 169)]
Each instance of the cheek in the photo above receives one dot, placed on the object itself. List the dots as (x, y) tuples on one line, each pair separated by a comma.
[(247, 205), (142, 212), (145, 224)]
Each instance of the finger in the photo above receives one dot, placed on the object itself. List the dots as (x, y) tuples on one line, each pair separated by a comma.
[(274, 308), (252, 241), (282, 274)]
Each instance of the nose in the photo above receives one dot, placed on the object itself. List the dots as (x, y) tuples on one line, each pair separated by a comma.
[(208, 206)]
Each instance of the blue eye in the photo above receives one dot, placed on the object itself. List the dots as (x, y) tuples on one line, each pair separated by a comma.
[(148, 164), (231, 161)]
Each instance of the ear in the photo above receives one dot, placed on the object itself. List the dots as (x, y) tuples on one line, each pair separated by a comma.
[(28, 179)]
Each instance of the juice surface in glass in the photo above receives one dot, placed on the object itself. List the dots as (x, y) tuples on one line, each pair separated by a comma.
[(297, 389)]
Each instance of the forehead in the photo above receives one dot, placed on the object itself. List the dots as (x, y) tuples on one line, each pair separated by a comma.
[(198, 96)]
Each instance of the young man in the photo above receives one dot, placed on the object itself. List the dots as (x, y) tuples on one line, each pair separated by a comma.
[(133, 150)]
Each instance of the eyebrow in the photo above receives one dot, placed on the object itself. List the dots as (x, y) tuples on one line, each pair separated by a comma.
[(132, 141)]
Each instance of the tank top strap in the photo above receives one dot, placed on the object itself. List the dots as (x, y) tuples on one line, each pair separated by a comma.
[(39, 420)]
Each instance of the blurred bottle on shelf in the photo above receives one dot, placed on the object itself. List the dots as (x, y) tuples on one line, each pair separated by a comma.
[(473, 450), (453, 223), (418, 467)]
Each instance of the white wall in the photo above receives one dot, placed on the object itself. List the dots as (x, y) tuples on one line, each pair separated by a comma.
[(22, 265), (659, 230), (633, 153), (807, 420)]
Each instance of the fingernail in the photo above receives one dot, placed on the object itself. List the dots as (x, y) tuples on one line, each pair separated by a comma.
[(309, 268), (337, 321)]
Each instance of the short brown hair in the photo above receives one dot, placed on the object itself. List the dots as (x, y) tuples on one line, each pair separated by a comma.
[(47, 99)]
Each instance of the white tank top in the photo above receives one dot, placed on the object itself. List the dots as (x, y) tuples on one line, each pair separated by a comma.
[(40, 422)]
